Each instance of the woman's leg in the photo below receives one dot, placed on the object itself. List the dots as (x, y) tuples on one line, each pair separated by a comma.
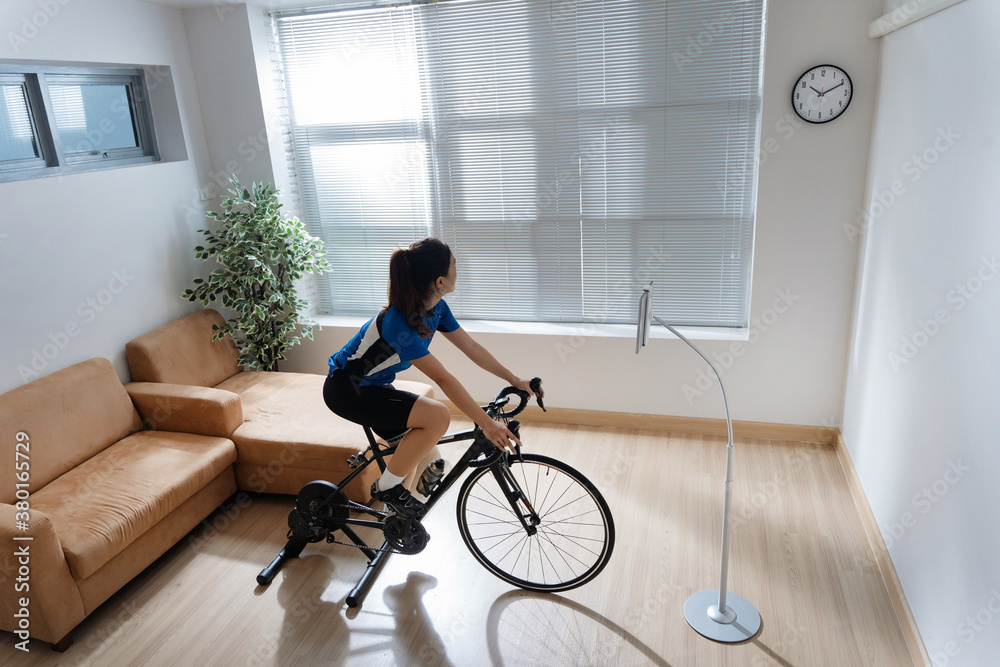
[(428, 421)]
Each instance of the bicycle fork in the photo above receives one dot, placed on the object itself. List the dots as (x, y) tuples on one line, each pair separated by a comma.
[(518, 500)]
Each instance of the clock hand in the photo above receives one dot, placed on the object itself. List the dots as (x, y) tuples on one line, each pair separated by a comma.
[(815, 91), (837, 86)]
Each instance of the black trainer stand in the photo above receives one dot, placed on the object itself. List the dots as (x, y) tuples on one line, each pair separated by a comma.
[(296, 543), (325, 498), (375, 563), (321, 509), (292, 549)]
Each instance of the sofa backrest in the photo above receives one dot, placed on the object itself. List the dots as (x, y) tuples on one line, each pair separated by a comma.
[(183, 352), (66, 418)]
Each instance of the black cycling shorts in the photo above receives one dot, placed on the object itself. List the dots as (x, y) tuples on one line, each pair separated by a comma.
[(382, 407)]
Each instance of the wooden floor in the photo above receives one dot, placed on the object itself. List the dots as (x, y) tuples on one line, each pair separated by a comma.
[(799, 555)]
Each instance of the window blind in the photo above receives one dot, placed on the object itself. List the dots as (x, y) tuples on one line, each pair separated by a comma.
[(567, 151)]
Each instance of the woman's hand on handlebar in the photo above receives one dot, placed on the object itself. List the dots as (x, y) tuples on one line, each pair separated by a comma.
[(525, 385), (500, 435)]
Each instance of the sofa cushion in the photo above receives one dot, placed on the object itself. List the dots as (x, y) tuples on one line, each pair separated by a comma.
[(99, 507), (286, 422), (68, 416), (185, 408), (183, 352)]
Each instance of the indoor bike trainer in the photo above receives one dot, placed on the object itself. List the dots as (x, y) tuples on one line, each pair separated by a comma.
[(531, 520)]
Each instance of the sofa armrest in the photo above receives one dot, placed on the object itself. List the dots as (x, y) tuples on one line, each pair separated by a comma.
[(186, 408), (36, 570)]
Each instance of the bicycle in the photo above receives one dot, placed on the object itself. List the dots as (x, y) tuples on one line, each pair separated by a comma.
[(531, 520)]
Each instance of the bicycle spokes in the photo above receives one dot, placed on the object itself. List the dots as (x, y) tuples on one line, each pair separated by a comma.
[(539, 524)]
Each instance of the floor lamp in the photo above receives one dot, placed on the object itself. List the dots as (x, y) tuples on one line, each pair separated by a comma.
[(713, 613)]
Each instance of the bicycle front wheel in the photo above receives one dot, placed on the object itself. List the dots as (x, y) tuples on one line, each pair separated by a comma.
[(574, 535)]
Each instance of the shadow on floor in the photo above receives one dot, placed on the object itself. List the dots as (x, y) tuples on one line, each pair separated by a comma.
[(318, 630), (558, 631)]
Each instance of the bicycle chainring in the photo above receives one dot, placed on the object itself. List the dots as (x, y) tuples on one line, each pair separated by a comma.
[(405, 535)]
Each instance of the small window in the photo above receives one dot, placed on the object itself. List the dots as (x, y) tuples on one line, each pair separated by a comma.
[(19, 144), (59, 120)]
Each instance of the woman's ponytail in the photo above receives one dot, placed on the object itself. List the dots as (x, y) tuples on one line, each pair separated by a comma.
[(412, 273)]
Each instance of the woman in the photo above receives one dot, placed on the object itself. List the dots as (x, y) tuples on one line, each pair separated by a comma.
[(359, 385)]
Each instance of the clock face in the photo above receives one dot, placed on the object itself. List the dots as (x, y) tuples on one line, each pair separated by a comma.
[(822, 94)]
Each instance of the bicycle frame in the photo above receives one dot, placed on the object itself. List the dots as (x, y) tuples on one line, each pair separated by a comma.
[(379, 453), (479, 446)]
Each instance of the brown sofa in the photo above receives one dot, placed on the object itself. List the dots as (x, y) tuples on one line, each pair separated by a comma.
[(106, 498), (285, 435)]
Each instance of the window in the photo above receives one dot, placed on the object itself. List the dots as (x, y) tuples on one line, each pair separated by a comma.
[(359, 145), (567, 151), (59, 119), (19, 145)]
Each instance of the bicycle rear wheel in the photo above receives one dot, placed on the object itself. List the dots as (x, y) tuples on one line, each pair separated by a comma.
[(574, 536)]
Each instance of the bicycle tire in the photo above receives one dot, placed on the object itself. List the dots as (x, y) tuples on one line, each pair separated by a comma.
[(574, 539)]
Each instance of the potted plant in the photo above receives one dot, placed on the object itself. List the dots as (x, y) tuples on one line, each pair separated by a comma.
[(261, 253)]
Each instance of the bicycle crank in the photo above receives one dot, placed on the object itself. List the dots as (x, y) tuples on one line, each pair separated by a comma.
[(404, 534)]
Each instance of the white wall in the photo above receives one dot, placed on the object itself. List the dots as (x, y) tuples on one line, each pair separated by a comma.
[(63, 239), (227, 77), (921, 400), (235, 75), (811, 183)]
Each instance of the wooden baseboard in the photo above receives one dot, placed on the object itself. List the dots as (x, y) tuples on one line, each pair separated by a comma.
[(914, 642), (693, 425)]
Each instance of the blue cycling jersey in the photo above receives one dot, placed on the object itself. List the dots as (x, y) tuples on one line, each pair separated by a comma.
[(386, 344)]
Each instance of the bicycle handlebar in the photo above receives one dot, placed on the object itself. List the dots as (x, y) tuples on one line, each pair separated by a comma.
[(495, 409), (496, 405)]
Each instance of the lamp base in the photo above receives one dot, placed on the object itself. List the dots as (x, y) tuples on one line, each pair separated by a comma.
[(738, 623)]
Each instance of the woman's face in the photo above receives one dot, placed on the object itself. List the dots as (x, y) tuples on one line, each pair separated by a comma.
[(446, 284)]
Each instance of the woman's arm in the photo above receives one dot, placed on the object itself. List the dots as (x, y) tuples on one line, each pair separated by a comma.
[(482, 358), (496, 432)]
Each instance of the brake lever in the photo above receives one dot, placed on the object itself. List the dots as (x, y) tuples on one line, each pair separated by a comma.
[(517, 452), (536, 386)]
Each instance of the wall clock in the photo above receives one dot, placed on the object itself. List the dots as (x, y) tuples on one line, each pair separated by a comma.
[(821, 94)]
